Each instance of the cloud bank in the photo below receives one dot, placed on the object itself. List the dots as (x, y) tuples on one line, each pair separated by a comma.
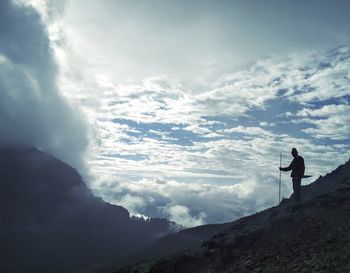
[(32, 111), (196, 203)]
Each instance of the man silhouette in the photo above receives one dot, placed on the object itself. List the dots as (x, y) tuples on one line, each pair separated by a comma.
[(297, 167)]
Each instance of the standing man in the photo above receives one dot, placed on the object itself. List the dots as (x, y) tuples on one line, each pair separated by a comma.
[(297, 167)]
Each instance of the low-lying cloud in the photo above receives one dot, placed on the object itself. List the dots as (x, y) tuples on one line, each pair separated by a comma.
[(192, 204)]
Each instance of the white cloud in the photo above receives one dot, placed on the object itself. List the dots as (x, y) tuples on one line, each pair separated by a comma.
[(331, 121), (181, 214), (267, 124), (192, 204), (134, 204), (257, 131)]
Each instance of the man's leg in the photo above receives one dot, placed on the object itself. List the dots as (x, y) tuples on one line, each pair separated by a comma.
[(296, 188)]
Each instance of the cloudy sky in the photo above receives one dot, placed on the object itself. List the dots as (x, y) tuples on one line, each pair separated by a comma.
[(180, 109)]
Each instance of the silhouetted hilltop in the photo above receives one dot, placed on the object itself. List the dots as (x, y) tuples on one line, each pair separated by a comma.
[(51, 222), (312, 236)]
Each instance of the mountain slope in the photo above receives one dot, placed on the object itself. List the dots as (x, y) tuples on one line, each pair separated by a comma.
[(308, 237), (51, 222), (171, 244)]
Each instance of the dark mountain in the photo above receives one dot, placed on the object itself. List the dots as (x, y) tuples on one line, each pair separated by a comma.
[(51, 222), (312, 236)]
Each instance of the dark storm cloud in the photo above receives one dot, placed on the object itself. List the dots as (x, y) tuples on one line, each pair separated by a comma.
[(31, 108)]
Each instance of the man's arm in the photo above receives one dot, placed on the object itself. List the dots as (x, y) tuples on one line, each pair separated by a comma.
[(289, 168)]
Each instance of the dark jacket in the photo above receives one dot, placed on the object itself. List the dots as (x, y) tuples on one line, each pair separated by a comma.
[(297, 167)]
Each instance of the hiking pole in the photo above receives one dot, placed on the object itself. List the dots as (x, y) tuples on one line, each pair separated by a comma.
[(279, 184)]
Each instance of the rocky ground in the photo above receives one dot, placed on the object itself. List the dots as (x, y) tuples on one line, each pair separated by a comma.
[(313, 238)]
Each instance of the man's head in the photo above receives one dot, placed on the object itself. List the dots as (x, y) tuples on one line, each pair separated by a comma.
[(294, 152)]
